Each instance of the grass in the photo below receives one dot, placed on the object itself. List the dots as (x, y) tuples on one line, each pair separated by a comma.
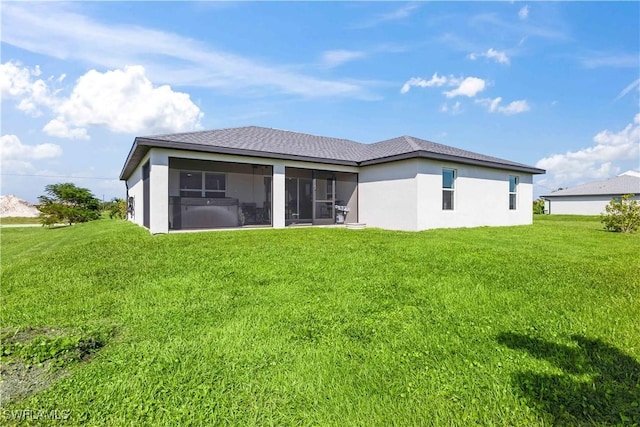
[(19, 220), (528, 325)]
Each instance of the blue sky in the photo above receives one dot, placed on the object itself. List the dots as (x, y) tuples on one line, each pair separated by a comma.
[(554, 85)]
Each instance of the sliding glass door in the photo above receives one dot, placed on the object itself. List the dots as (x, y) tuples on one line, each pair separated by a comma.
[(299, 200), (310, 196), (324, 197)]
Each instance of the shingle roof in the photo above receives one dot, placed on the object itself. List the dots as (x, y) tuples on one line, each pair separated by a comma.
[(620, 185), (267, 140), (409, 144), (275, 143)]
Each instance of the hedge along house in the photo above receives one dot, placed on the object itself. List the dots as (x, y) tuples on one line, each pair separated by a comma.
[(253, 177)]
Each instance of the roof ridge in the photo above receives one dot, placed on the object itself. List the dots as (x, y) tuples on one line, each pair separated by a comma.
[(311, 134), (412, 143), (156, 135), (203, 131)]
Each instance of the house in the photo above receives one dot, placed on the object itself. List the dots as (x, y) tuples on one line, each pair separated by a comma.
[(591, 198), (254, 176)]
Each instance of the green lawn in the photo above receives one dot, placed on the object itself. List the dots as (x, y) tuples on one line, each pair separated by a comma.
[(10, 220), (531, 325)]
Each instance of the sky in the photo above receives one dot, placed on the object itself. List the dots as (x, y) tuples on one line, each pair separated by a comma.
[(554, 85)]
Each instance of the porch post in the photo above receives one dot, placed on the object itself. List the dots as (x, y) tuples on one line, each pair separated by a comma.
[(159, 192), (278, 201)]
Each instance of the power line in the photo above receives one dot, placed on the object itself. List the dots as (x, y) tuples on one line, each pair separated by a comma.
[(59, 176)]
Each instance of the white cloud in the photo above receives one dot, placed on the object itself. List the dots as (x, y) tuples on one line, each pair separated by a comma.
[(120, 100), (595, 162), (126, 101), (514, 107), (420, 82), (12, 166), (14, 80), (18, 82), (616, 60), (633, 85), (17, 157), (13, 149), (403, 12), (523, 13), (395, 15), (337, 57), (456, 108), (52, 29), (60, 129), (496, 55), (469, 87), (334, 58), (553, 28)]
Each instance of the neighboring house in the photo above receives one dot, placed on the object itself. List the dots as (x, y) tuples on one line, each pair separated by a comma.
[(253, 176), (591, 198)]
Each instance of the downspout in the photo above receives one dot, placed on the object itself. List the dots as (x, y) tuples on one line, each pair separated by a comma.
[(126, 184)]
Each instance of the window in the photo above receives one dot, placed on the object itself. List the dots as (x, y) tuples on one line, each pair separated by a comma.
[(202, 184), (448, 187), (214, 185), (513, 191), (190, 184)]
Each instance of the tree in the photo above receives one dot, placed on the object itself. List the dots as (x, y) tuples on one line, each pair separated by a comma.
[(538, 206), (622, 214), (66, 203)]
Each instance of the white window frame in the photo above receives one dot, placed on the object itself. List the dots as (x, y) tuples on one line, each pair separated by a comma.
[(513, 193), (204, 192), (451, 190)]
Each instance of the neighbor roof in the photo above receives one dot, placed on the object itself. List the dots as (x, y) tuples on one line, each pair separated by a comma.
[(275, 143), (620, 185)]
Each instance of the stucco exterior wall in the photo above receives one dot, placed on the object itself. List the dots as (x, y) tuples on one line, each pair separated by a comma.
[(134, 183), (407, 195), (481, 197), (387, 195), (579, 205)]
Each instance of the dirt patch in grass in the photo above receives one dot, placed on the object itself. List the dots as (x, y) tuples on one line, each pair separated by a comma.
[(24, 335), (20, 380), (31, 359)]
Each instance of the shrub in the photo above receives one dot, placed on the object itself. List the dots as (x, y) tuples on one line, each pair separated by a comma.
[(118, 208), (538, 206), (622, 215)]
